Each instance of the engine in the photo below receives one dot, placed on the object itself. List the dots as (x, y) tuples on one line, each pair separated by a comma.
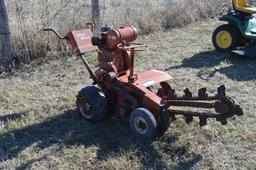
[(111, 37)]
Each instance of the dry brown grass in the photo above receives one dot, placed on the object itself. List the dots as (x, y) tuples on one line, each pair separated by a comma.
[(29, 17), (40, 128)]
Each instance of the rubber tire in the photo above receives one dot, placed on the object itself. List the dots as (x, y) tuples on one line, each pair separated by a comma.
[(98, 101), (235, 34), (151, 121), (163, 123)]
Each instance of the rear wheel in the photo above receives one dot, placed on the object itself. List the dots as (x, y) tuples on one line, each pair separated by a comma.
[(226, 38), (143, 124), (92, 104)]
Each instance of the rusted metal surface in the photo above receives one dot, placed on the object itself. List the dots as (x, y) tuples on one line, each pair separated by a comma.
[(118, 35), (128, 89), (222, 107), (80, 41)]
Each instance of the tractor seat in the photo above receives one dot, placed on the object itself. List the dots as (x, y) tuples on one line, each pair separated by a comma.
[(242, 6)]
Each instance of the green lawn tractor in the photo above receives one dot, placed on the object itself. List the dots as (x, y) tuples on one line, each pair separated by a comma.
[(239, 34)]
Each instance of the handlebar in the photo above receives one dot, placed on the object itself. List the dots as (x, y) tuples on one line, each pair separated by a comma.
[(88, 25), (55, 32)]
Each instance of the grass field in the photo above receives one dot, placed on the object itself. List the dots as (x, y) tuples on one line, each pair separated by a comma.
[(40, 127)]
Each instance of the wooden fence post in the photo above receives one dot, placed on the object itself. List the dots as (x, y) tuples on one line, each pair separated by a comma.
[(96, 13), (6, 49)]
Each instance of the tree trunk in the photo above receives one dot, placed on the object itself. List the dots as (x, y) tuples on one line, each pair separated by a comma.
[(96, 13), (6, 50)]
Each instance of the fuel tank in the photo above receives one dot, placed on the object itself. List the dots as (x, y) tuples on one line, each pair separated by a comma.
[(118, 35)]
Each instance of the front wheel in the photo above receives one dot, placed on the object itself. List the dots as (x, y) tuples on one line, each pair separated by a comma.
[(92, 104), (226, 38), (143, 124)]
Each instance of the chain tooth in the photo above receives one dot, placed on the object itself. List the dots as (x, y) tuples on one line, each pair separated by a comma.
[(223, 121), (202, 93), (188, 119), (221, 91), (173, 117), (188, 93), (203, 121), (239, 111), (173, 93)]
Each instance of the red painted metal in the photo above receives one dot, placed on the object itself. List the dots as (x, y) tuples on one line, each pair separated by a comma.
[(117, 35), (80, 41), (129, 90)]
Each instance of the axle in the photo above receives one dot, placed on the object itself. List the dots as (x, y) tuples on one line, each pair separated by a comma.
[(130, 94)]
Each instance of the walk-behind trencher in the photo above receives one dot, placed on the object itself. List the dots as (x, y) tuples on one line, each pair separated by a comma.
[(143, 99), (239, 34)]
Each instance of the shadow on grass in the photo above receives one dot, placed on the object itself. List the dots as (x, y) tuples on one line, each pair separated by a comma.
[(111, 137), (13, 116), (238, 68)]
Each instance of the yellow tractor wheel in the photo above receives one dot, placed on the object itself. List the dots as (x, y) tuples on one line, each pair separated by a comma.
[(226, 38)]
